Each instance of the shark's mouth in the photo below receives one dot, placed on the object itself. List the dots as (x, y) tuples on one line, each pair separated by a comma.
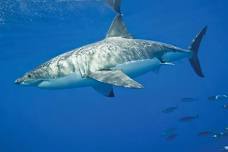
[(32, 83)]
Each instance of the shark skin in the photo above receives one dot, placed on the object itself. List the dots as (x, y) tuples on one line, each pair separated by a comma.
[(113, 61)]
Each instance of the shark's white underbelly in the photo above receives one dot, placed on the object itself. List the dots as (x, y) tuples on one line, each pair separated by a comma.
[(71, 81)]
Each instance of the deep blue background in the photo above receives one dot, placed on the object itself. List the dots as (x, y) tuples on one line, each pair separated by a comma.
[(34, 120)]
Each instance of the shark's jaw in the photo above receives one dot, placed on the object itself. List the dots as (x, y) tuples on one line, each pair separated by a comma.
[(30, 83)]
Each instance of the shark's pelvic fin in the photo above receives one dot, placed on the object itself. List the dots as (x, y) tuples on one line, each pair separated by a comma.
[(118, 28), (116, 78), (115, 4), (104, 89), (163, 64)]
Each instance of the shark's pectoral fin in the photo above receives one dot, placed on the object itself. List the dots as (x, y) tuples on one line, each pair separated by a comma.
[(104, 89), (116, 78)]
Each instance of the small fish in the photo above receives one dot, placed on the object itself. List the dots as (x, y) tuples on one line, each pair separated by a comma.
[(171, 137), (218, 97), (188, 99), (225, 148), (216, 136), (220, 135), (188, 118), (225, 106), (170, 109), (205, 133), (224, 134), (169, 131)]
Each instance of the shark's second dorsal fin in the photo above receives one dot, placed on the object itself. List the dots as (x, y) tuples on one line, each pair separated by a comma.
[(118, 28)]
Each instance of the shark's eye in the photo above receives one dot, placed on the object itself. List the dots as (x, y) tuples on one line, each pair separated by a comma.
[(29, 76)]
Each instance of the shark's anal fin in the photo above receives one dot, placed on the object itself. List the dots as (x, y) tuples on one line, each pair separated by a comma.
[(118, 28), (168, 63), (163, 64), (116, 78), (104, 89)]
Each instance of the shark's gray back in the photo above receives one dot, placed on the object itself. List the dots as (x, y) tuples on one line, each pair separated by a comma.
[(116, 50)]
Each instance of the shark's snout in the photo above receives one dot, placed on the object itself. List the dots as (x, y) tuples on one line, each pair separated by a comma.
[(27, 80), (18, 81)]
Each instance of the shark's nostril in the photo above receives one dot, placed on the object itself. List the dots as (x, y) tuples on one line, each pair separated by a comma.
[(17, 81)]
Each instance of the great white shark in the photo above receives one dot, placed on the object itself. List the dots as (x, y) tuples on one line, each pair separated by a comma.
[(113, 61)]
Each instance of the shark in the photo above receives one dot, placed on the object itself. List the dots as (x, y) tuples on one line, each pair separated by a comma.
[(112, 62)]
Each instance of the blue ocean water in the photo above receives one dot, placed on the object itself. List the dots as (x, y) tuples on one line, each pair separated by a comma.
[(34, 120)]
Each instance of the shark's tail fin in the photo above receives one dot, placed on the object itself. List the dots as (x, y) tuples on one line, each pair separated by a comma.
[(194, 60), (115, 4)]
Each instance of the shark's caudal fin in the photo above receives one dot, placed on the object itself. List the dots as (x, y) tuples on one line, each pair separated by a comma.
[(194, 60), (115, 4)]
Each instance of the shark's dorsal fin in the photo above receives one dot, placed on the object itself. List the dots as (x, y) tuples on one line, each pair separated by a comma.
[(118, 28)]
